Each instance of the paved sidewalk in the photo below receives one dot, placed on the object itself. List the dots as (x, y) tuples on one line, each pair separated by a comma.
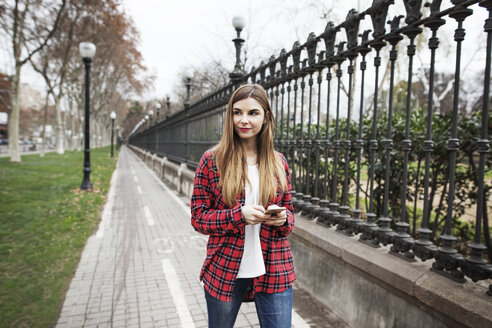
[(141, 268)]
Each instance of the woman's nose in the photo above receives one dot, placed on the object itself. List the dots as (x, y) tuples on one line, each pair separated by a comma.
[(244, 119)]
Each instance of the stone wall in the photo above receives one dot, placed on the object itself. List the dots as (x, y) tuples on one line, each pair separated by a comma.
[(365, 286), (368, 287), (176, 174)]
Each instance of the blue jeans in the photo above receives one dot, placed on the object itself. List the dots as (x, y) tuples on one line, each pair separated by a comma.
[(274, 310)]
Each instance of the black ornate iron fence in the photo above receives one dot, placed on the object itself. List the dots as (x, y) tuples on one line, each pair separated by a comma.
[(328, 158)]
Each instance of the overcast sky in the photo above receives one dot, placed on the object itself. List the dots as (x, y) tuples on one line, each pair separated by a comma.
[(179, 34)]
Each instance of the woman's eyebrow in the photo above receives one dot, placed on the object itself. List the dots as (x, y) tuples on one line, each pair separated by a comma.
[(251, 109)]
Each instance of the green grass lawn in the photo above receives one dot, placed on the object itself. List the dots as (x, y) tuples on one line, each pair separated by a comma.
[(45, 221)]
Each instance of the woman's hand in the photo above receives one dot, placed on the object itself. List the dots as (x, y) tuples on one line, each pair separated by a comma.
[(278, 219), (253, 214)]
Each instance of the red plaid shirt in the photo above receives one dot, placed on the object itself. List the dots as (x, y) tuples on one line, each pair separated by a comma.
[(225, 227)]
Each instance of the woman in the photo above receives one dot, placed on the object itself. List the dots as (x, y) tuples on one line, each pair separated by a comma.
[(248, 254)]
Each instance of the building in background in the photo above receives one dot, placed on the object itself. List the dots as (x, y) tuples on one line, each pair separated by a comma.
[(32, 104)]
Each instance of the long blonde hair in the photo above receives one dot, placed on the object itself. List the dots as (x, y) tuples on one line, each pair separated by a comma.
[(230, 155)]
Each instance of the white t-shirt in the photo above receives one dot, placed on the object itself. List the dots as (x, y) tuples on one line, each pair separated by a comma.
[(252, 264)]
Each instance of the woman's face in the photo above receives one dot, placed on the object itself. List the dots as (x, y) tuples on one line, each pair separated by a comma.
[(248, 117)]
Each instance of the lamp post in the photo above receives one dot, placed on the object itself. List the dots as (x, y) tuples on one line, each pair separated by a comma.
[(188, 91), (151, 114), (237, 74), (146, 119), (187, 105), (87, 51), (168, 103), (157, 109), (113, 116)]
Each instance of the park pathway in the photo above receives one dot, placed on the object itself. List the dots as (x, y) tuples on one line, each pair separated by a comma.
[(141, 267)]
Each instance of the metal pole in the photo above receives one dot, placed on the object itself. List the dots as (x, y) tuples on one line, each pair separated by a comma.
[(187, 105), (168, 103), (86, 183), (112, 135)]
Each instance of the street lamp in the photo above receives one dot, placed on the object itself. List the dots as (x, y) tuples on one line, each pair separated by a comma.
[(168, 103), (87, 51), (146, 118), (237, 74), (113, 116), (151, 114), (157, 108), (188, 91)]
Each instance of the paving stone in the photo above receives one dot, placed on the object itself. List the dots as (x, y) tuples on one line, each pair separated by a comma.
[(104, 325), (91, 322), (198, 317), (171, 322), (146, 325), (63, 325), (65, 320), (76, 323)]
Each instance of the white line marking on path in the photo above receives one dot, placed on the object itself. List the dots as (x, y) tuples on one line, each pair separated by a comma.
[(108, 207), (148, 216), (139, 190), (177, 294), (135, 178), (297, 321)]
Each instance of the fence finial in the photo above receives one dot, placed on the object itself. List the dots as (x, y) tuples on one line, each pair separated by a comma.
[(378, 12), (351, 26)]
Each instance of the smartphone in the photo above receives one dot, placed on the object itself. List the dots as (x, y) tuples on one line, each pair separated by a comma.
[(274, 210)]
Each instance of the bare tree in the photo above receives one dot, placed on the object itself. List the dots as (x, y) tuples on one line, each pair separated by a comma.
[(117, 70), (29, 25), (52, 62)]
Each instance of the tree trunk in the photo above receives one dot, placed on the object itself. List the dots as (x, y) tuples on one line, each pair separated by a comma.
[(414, 223), (433, 188), (45, 120), (14, 118), (60, 131), (72, 127), (80, 137), (439, 210)]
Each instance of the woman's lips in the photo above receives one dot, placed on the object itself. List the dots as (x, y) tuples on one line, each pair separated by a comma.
[(244, 129)]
